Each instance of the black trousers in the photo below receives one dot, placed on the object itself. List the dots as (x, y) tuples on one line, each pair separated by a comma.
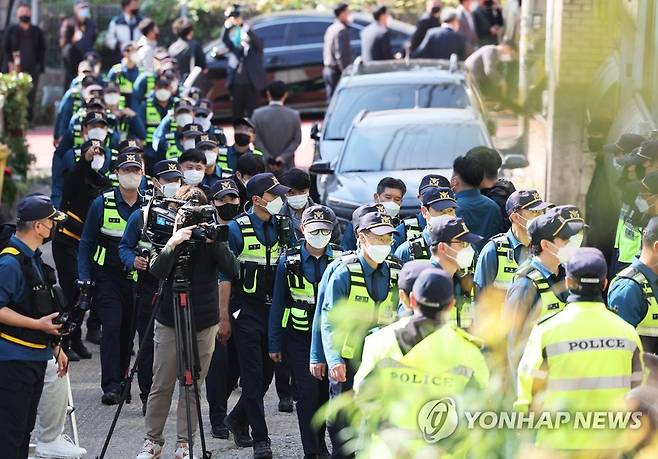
[(114, 298), (145, 295), (245, 99), (21, 383), (66, 262), (283, 380), (331, 77), (312, 394), (336, 426), (256, 368), (222, 377)]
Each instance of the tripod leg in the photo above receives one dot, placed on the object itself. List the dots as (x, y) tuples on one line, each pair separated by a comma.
[(206, 454), (188, 413)]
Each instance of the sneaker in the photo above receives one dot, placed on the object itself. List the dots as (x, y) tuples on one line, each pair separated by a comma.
[(61, 447), (241, 435), (150, 450), (286, 405), (183, 452), (262, 449)]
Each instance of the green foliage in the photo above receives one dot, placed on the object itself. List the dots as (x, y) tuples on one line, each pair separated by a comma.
[(14, 88)]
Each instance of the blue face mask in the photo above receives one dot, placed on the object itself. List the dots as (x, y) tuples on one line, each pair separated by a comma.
[(84, 13)]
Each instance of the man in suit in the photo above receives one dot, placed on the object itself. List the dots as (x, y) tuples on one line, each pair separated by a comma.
[(488, 22), (467, 24), (246, 70), (376, 39), (278, 129), (337, 51), (442, 42), (427, 21)]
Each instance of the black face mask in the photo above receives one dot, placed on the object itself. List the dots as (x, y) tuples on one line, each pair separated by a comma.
[(242, 140), (135, 11), (228, 211), (435, 10), (25, 19)]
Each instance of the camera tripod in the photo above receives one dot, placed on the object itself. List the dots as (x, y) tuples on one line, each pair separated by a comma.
[(187, 353)]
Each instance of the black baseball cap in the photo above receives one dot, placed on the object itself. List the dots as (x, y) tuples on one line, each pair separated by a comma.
[(451, 228), (434, 288), (265, 183), (649, 184), (205, 103), (167, 169), (130, 146), (243, 122), (410, 272), (434, 181), (127, 160), (318, 217), (223, 187), (95, 118), (587, 265), (647, 151), (625, 144), (37, 206), (200, 110), (183, 106), (206, 140), (377, 223), (525, 199), (364, 209), (95, 103), (438, 198), (560, 221), (192, 129)]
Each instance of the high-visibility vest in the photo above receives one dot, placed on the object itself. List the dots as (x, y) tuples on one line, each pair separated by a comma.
[(586, 355), (124, 84), (299, 314), (628, 238), (222, 161), (111, 231), (153, 119), (648, 326), (507, 265), (257, 261), (412, 228), (550, 303), (382, 313)]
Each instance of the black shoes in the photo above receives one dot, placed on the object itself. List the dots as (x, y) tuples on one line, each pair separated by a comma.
[(80, 349), (94, 336), (111, 398), (240, 433), (72, 355), (262, 449), (286, 405), (220, 432)]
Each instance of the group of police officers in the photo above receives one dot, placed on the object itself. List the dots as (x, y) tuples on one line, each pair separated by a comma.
[(396, 297)]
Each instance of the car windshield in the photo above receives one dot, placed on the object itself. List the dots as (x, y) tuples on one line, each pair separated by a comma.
[(350, 101), (426, 146)]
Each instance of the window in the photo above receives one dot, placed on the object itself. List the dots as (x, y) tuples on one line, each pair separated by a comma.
[(355, 33), (272, 35), (307, 33)]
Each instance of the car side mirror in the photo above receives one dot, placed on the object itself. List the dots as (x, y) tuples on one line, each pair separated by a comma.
[(321, 168), (315, 132), (514, 161)]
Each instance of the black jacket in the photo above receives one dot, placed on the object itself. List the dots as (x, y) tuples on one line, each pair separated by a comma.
[(375, 43), (425, 23), (441, 43), (31, 45)]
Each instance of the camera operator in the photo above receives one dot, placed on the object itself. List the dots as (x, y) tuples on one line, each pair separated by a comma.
[(27, 310), (207, 260), (167, 178), (98, 261)]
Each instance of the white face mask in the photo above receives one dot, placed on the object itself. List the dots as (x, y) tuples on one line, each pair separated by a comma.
[(203, 122), (169, 189), (134, 58), (193, 177), (184, 119), (211, 157), (130, 181), (162, 95), (188, 144), (564, 253), (317, 241), (378, 252), (274, 207), (392, 208), (97, 162), (464, 257), (298, 202), (97, 134), (435, 222), (112, 98)]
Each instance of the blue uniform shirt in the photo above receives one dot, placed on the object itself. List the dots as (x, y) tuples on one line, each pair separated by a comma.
[(481, 214), (232, 156), (138, 123), (210, 179), (626, 298), (139, 89), (93, 223), (317, 351), (131, 74), (519, 292), (130, 238), (487, 264), (313, 269), (403, 252), (161, 131), (12, 289), (338, 287), (349, 239), (401, 231)]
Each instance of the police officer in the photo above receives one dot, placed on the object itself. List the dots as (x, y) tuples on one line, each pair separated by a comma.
[(248, 166), (587, 357), (71, 102), (145, 83), (254, 238), (297, 278), (351, 232), (98, 260), (126, 72), (504, 253), (366, 281), (436, 203), (172, 125), (133, 249), (119, 114), (244, 134), (413, 226), (632, 294), (193, 164), (538, 288), (208, 145), (183, 141), (27, 310), (297, 200)]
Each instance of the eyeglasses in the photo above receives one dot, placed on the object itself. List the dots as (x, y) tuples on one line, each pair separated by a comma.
[(324, 232), (459, 244)]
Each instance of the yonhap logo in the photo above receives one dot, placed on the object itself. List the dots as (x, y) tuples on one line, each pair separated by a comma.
[(438, 419)]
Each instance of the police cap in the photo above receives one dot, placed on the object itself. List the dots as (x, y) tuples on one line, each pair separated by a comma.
[(587, 265), (525, 199), (265, 183), (433, 180), (434, 288), (625, 144), (450, 229), (95, 118), (128, 160), (167, 169), (224, 187), (37, 206), (438, 198), (377, 223), (130, 146), (318, 217), (560, 221), (410, 272)]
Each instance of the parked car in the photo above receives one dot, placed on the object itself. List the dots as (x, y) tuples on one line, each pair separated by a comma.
[(406, 144), (293, 43), (391, 85)]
